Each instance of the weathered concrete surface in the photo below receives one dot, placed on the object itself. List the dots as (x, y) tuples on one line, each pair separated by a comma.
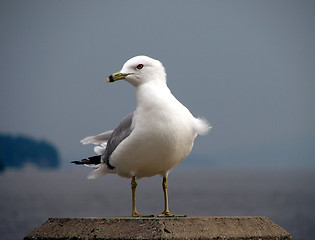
[(233, 228)]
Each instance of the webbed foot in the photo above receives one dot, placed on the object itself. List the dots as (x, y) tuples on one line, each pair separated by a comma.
[(168, 214), (136, 214)]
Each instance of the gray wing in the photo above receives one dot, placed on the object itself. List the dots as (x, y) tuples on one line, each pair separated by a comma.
[(122, 131)]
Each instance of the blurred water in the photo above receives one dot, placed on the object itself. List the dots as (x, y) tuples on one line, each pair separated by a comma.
[(28, 198)]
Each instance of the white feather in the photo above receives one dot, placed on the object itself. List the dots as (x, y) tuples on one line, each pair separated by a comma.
[(100, 149), (99, 171), (202, 126), (98, 139)]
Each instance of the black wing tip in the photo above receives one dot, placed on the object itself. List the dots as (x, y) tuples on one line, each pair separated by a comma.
[(83, 161), (91, 160)]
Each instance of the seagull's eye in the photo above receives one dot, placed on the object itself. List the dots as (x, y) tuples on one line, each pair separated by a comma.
[(140, 66)]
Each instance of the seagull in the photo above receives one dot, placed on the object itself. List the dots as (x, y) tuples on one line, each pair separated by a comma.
[(153, 139)]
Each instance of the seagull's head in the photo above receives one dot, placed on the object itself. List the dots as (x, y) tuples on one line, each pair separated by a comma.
[(139, 70)]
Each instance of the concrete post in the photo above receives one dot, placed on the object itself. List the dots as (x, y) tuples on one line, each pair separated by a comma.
[(233, 228)]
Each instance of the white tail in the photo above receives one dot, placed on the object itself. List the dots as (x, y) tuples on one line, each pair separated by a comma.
[(99, 171)]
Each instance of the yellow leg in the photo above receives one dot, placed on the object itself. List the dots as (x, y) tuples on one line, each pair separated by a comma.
[(134, 209), (133, 189), (166, 212)]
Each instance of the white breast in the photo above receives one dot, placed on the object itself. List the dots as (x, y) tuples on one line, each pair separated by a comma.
[(163, 135)]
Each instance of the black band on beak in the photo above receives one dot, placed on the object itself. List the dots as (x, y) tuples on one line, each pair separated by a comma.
[(111, 79)]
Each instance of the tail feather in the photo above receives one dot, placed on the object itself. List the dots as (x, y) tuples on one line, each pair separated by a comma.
[(99, 170)]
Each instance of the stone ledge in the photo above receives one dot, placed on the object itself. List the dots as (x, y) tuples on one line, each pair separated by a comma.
[(232, 228)]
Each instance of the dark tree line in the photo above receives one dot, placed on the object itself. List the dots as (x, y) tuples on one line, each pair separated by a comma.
[(19, 150)]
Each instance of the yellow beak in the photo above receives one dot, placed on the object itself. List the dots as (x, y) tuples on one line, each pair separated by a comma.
[(116, 76)]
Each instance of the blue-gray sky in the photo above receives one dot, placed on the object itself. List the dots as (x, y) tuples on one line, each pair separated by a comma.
[(246, 66)]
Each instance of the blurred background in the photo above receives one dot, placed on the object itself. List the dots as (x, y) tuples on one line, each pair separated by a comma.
[(245, 66)]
